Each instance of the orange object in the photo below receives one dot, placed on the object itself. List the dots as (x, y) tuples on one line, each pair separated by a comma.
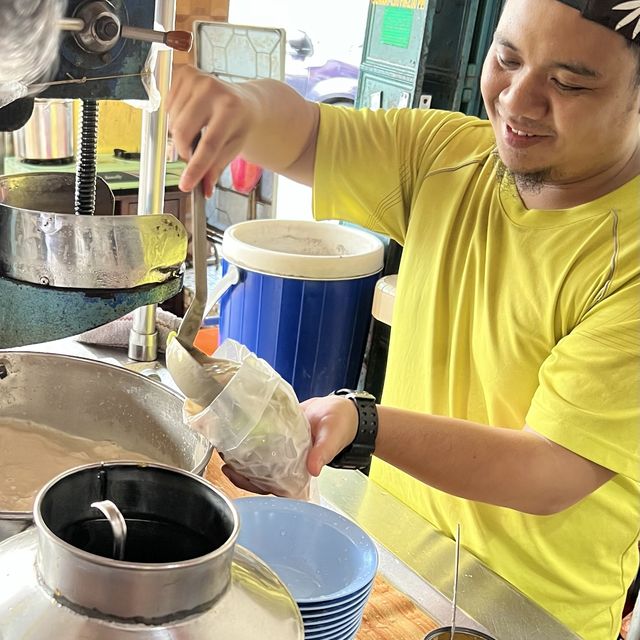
[(245, 175), (207, 340), (179, 40)]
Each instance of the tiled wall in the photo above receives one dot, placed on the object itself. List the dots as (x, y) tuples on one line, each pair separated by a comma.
[(189, 10)]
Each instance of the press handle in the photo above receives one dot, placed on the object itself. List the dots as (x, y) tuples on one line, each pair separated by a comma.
[(178, 40)]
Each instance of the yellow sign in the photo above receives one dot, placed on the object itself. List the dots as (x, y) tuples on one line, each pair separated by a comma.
[(405, 4)]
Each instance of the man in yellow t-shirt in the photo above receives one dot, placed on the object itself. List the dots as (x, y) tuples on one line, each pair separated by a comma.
[(505, 316), (511, 401)]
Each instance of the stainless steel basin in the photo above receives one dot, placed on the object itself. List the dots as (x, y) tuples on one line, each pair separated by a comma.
[(96, 400)]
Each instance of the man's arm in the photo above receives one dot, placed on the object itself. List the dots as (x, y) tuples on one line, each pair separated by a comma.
[(265, 121), (511, 468)]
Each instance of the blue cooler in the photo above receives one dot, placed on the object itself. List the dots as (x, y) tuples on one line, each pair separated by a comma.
[(303, 301)]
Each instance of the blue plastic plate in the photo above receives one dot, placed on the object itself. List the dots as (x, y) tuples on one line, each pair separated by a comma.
[(320, 555)]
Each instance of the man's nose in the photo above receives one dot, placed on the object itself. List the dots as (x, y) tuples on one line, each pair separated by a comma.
[(525, 98)]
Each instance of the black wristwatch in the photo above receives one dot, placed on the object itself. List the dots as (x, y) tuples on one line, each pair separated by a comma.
[(357, 455)]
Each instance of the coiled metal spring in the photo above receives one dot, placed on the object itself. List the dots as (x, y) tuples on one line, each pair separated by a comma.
[(85, 191)]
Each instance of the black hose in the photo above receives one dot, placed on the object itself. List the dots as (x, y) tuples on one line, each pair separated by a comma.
[(85, 194)]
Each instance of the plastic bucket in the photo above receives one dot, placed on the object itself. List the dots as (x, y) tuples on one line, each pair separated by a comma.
[(303, 302)]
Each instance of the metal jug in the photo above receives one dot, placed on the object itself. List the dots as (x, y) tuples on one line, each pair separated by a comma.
[(182, 574), (48, 135)]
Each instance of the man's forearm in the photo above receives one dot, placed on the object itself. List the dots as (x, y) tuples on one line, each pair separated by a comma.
[(518, 469), (284, 129)]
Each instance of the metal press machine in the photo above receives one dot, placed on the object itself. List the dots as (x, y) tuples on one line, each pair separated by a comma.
[(67, 264)]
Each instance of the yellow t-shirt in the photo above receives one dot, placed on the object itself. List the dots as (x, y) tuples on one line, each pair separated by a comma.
[(505, 316)]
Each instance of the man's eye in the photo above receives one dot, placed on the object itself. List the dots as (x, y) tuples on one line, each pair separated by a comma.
[(507, 64), (567, 87)]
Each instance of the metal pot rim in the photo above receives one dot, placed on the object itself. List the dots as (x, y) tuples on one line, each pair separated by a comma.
[(471, 633), (102, 364), (121, 564)]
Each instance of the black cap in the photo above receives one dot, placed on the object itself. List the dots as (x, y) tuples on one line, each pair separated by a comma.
[(16, 114), (622, 17)]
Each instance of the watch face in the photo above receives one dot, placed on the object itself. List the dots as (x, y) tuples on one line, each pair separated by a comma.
[(364, 395), (356, 394)]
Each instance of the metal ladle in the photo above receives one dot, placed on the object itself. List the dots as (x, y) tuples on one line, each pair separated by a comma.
[(453, 632), (454, 601), (118, 526), (200, 377)]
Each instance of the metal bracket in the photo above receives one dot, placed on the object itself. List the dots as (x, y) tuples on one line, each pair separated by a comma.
[(30, 314)]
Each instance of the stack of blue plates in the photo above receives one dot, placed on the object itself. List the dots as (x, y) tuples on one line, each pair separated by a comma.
[(327, 562)]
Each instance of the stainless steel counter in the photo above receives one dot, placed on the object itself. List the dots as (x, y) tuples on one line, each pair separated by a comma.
[(419, 561), (414, 557)]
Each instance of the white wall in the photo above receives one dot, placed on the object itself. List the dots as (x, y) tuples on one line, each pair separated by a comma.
[(337, 29), (332, 24)]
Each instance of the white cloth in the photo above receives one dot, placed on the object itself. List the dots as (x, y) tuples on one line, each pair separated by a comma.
[(116, 333)]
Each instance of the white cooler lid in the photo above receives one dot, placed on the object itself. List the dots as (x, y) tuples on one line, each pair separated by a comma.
[(303, 249), (384, 295)]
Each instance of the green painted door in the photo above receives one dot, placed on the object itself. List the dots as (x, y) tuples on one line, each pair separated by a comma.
[(426, 53)]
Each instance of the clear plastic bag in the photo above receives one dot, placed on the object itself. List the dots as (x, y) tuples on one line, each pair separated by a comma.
[(257, 424)]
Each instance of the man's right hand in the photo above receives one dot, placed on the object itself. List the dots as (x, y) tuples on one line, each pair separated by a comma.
[(199, 101)]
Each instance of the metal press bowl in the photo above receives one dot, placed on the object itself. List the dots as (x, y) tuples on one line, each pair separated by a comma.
[(96, 400)]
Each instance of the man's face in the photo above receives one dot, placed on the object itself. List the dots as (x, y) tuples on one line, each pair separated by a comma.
[(560, 93)]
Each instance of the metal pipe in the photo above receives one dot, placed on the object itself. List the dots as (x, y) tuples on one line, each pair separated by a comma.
[(146, 35), (3, 152), (118, 526), (143, 337), (71, 24), (634, 629)]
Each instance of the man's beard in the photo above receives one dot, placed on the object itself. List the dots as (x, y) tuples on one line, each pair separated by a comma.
[(532, 181)]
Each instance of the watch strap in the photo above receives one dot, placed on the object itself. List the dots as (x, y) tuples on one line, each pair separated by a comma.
[(357, 454)]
